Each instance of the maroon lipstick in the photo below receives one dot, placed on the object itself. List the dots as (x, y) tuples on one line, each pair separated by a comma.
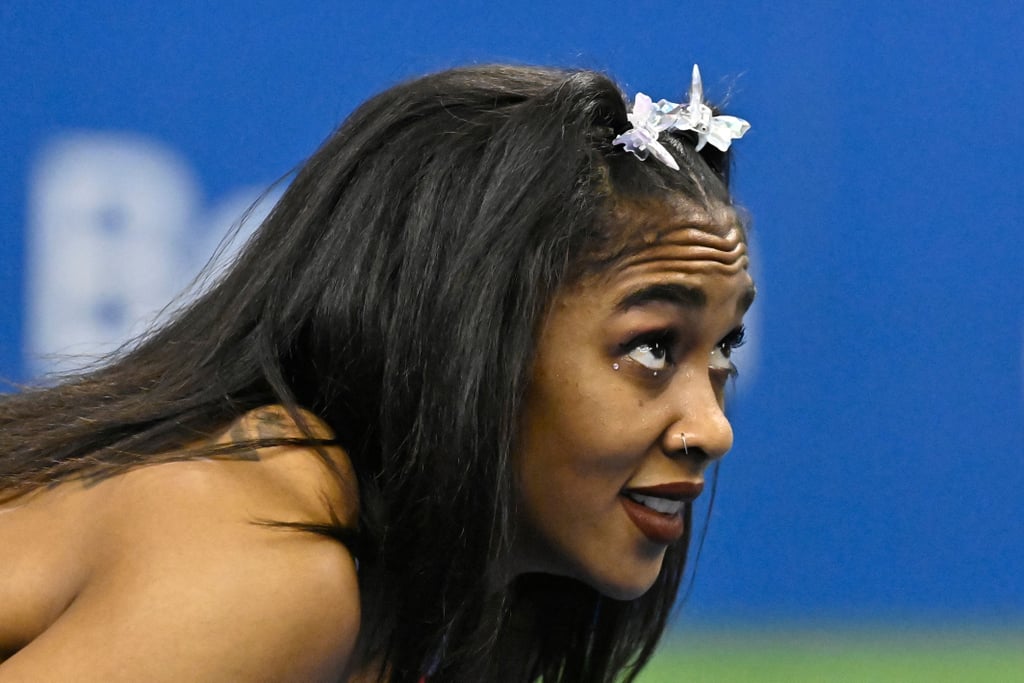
[(677, 490), (657, 511)]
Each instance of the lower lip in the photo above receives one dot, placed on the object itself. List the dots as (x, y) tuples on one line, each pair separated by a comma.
[(656, 526)]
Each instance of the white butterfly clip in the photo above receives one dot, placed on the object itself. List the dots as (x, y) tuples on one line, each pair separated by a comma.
[(720, 131), (649, 119)]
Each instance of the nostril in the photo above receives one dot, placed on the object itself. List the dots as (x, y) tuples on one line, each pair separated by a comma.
[(695, 453), (699, 455)]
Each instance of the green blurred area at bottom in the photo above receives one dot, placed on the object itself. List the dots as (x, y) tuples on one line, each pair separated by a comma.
[(876, 655)]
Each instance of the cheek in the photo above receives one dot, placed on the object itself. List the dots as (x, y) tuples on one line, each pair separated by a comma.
[(576, 455), (580, 439), (586, 422), (569, 459), (569, 504)]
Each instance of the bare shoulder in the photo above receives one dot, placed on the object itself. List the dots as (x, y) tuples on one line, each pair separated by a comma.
[(305, 476), (188, 581), (245, 489)]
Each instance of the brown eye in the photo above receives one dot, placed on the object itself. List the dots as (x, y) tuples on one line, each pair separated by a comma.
[(652, 350), (651, 355), (720, 354), (733, 341)]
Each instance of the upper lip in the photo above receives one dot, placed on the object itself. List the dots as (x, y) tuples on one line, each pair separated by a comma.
[(676, 490)]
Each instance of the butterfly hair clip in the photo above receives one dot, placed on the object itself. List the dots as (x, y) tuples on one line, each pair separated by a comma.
[(649, 119)]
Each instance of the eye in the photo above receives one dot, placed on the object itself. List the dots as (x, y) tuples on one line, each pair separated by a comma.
[(652, 352), (723, 351)]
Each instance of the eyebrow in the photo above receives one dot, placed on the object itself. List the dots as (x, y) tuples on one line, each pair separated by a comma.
[(673, 293), (679, 295)]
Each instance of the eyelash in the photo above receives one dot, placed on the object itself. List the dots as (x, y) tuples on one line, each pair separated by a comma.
[(730, 343), (733, 340)]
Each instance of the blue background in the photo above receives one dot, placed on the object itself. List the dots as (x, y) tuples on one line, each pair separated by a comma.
[(878, 467)]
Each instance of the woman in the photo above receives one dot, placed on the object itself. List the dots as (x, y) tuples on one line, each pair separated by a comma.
[(445, 415)]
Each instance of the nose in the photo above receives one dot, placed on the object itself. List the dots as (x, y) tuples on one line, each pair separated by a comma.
[(699, 427)]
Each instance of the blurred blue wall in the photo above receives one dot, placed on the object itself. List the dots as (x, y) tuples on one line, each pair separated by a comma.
[(878, 466)]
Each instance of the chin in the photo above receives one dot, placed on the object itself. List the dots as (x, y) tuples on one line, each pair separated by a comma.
[(624, 593), (625, 587)]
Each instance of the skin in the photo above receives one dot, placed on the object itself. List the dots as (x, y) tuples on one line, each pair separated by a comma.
[(160, 574), (607, 403)]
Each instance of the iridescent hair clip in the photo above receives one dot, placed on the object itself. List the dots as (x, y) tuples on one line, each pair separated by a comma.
[(649, 119)]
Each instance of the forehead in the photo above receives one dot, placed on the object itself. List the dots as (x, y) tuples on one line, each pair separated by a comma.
[(666, 240)]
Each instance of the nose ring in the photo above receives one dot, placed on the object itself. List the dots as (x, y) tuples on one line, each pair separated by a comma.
[(682, 435)]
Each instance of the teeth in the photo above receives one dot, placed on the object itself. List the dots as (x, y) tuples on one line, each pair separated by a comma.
[(662, 505)]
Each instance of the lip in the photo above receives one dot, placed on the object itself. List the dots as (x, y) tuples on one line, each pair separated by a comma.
[(677, 490), (658, 527)]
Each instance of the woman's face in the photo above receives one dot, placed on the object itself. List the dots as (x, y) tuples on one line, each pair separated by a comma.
[(627, 363)]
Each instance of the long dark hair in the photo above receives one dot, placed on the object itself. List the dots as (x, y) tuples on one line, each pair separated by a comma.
[(395, 292)]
